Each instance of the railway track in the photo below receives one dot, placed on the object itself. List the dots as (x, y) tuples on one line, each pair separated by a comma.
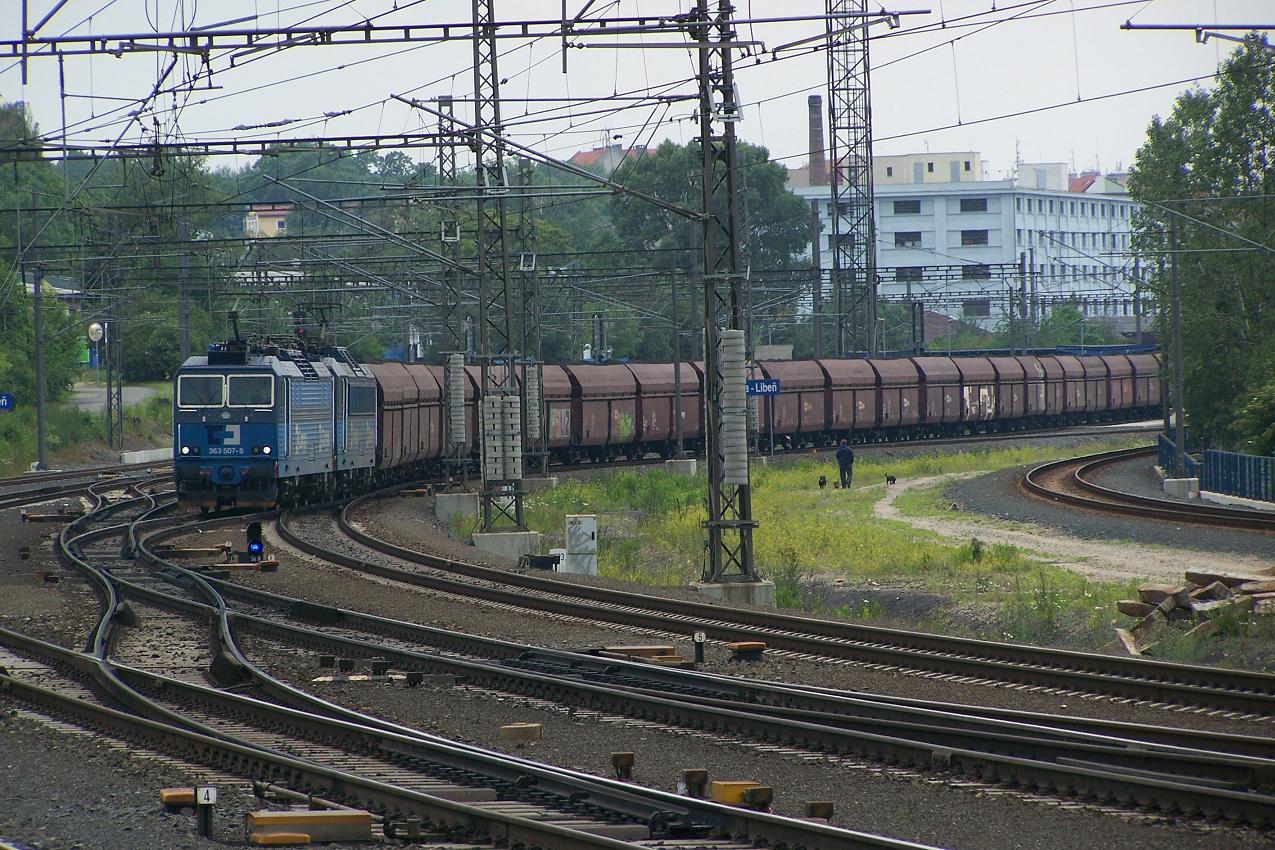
[(1160, 682), (317, 748), (1067, 481), (1059, 759)]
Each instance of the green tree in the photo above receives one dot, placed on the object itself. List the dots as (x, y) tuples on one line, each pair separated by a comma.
[(1207, 172)]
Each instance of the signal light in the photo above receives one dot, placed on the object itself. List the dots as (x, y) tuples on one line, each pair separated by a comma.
[(255, 544)]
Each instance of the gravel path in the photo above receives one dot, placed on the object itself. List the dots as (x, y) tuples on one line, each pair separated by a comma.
[(867, 796), (1092, 558)]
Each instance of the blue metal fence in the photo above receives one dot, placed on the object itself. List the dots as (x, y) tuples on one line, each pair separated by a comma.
[(1247, 476), (1167, 449)]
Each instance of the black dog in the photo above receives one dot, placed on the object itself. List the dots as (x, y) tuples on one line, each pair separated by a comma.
[(889, 479)]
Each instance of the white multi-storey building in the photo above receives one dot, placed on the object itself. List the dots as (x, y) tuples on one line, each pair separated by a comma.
[(965, 245)]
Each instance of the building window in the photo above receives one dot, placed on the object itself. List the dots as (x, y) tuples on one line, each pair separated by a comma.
[(1073, 207), (977, 308), (906, 273), (978, 271), (843, 241), (967, 165), (929, 167), (889, 171), (907, 239), (973, 237), (1018, 204), (1018, 237), (1093, 209), (1051, 207), (973, 204), (907, 207), (1104, 210)]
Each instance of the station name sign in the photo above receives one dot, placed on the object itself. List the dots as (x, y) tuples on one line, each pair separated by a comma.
[(770, 387)]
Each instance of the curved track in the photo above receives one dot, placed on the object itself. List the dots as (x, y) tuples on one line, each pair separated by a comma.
[(284, 736), (1067, 481), (1154, 681)]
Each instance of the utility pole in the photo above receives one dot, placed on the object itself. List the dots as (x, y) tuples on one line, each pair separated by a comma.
[(114, 343), (449, 229), (678, 415), (502, 491), (183, 288), (1137, 300), (533, 375), (1175, 283), (730, 524), (1022, 300), (37, 327), (816, 275), (854, 272)]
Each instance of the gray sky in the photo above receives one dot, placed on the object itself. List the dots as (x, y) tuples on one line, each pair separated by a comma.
[(922, 83)]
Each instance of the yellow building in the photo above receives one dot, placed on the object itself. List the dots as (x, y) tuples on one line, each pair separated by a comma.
[(267, 220)]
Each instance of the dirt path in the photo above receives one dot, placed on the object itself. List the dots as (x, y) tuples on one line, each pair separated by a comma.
[(1090, 558)]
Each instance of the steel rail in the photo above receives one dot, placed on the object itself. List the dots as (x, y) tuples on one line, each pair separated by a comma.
[(660, 809), (1156, 681), (1109, 500), (1070, 774), (1213, 793), (460, 819), (760, 695)]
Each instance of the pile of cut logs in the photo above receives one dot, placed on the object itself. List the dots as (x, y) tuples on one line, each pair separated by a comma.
[(1198, 603)]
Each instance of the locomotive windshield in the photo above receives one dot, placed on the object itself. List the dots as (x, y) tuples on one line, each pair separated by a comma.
[(251, 391), (200, 390)]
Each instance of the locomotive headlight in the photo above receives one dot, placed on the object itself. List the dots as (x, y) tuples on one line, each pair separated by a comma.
[(265, 450), (185, 450)]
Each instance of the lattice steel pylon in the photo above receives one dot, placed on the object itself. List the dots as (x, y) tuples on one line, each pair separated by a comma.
[(501, 495), (453, 335), (535, 452), (854, 272), (730, 523), (449, 230)]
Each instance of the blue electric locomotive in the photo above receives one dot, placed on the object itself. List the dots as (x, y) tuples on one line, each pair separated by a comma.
[(260, 424)]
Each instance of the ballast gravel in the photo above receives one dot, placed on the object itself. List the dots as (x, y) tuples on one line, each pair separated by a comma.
[(1000, 494), (867, 796)]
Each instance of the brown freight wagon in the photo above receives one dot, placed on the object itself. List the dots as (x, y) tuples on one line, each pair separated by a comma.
[(1097, 396), (940, 390), (1119, 382), (607, 404), (428, 412), (801, 406), (1073, 384), (978, 389), (1146, 380), (1035, 388), (1011, 387), (656, 387), (395, 391), (853, 395), (900, 396), (559, 419)]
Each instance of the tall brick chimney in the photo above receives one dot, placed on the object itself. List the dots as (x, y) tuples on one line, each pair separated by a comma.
[(818, 162)]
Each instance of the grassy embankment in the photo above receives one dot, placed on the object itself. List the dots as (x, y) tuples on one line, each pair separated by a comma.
[(828, 552), (75, 436)]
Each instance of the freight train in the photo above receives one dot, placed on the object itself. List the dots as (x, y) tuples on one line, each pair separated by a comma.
[(258, 424)]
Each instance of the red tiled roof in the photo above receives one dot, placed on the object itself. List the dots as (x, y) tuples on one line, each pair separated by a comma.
[(1081, 182)]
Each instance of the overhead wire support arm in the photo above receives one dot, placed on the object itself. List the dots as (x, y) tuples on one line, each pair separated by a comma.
[(563, 165)]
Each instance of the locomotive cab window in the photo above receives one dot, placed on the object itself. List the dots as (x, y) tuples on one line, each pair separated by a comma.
[(361, 401), (200, 390), (251, 390)]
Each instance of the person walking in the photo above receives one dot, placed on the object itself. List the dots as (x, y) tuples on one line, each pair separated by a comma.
[(845, 461)]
